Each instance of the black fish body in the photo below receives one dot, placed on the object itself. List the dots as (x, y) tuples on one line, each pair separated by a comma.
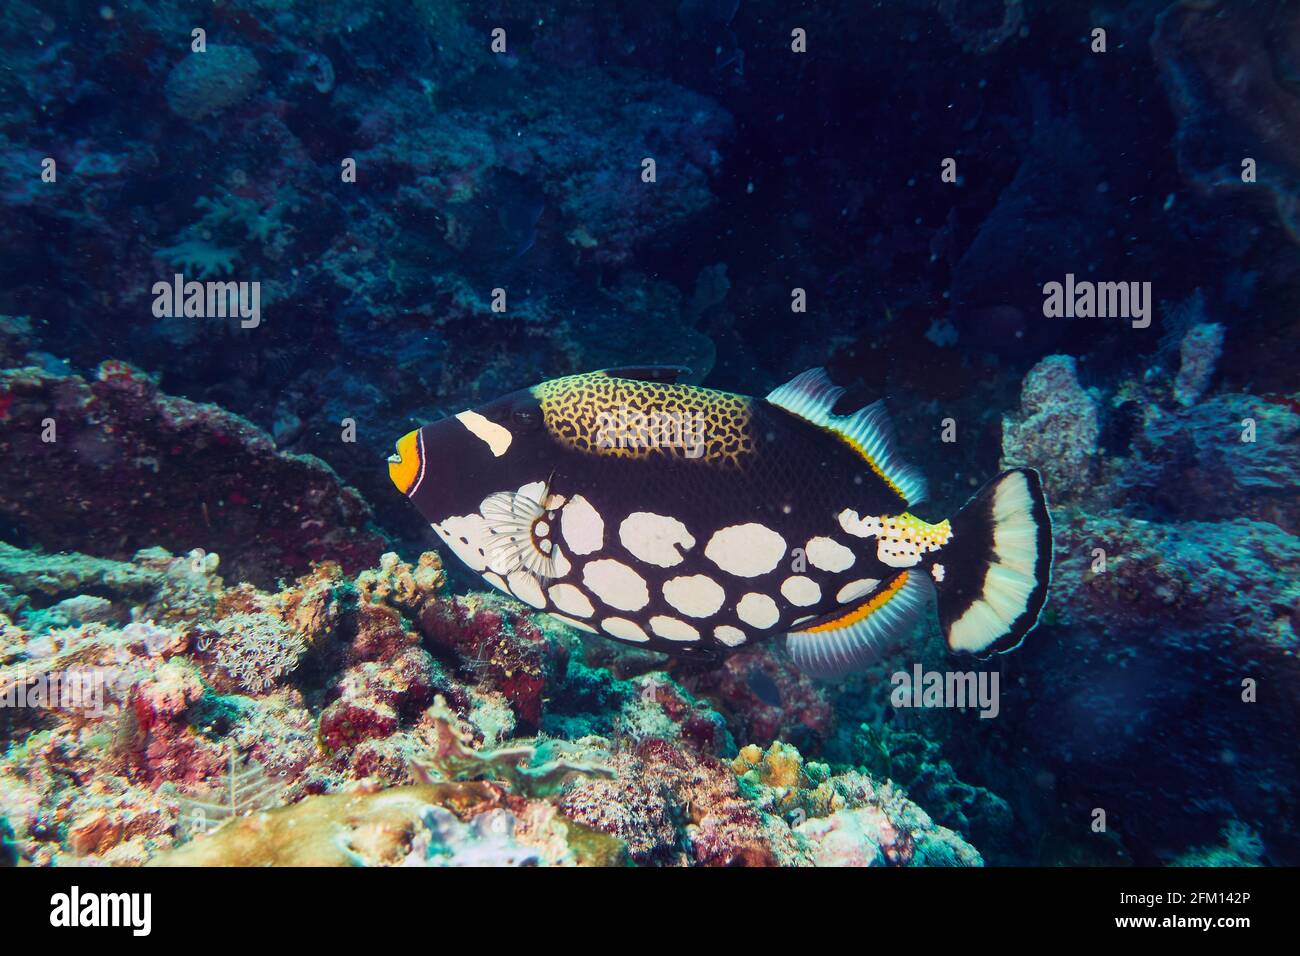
[(692, 521)]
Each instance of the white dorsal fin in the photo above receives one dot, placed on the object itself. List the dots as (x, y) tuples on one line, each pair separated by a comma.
[(812, 395)]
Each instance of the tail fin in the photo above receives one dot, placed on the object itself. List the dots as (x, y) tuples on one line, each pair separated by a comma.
[(997, 566)]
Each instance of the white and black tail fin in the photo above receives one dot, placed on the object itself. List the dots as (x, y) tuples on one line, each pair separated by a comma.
[(997, 566)]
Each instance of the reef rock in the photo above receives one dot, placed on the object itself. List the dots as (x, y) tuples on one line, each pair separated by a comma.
[(211, 81), (128, 467), (1056, 431)]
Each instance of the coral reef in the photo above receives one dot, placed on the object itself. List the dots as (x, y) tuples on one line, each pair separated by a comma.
[(916, 764), (378, 720), (1174, 594)]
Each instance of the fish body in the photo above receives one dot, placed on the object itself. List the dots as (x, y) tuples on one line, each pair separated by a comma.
[(693, 521)]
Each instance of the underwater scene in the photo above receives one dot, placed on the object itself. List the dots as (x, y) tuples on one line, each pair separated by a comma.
[(468, 433)]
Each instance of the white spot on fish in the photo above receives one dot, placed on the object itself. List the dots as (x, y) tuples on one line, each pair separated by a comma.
[(731, 636), (495, 436), (526, 587), (569, 599), (867, 527), (468, 538), (654, 538), (624, 629), (758, 610), (746, 550), (856, 589), (496, 580), (580, 625), (616, 584), (696, 595), (828, 554), (582, 526), (530, 499), (671, 629), (801, 591), (937, 572)]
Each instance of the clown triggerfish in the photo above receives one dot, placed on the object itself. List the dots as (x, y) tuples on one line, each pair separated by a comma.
[(693, 521)]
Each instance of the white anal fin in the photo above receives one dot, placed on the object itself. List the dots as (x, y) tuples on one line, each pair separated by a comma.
[(846, 640)]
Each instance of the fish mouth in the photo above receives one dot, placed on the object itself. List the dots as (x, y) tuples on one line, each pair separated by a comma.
[(406, 464)]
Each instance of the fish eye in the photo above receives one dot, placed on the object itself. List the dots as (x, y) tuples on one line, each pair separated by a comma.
[(526, 417)]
